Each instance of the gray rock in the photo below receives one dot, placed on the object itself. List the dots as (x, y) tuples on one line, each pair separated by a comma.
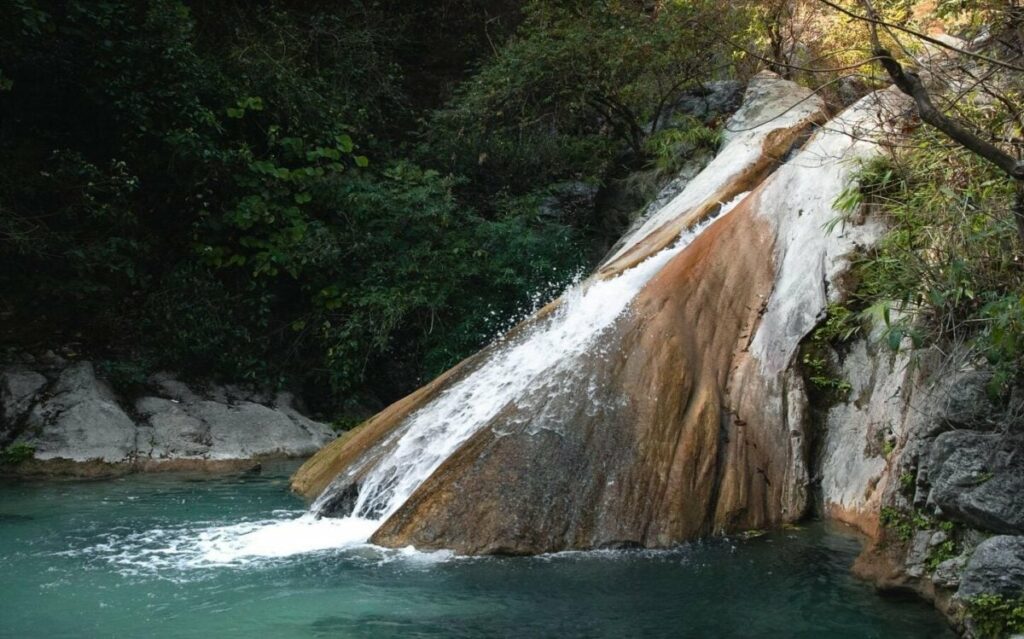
[(169, 431), (248, 429), (978, 478), (966, 403), (172, 388), (711, 101), (49, 358), (996, 567), (81, 421), (88, 430), (214, 430), (17, 391), (243, 393), (917, 555), (79, 380), (947, 574)]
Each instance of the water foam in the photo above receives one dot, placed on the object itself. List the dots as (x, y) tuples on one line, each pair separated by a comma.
[(181, 553), (435, 432)]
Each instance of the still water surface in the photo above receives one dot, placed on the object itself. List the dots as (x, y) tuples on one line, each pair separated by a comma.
[(177, 556)]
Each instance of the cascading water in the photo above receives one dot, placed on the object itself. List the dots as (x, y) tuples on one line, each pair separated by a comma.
[(356, 503), (434, 432)]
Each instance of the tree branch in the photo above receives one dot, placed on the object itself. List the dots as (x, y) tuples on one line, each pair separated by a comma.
[(910, 84), (873, 19)]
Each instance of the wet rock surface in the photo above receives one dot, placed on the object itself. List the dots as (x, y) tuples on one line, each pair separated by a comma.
[(67, 414), (689, 419)]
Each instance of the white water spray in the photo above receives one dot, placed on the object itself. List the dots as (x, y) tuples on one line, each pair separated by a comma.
[(434, 432)]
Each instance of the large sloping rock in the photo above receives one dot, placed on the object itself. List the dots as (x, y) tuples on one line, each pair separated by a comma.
[(689, 417), (787, 111)]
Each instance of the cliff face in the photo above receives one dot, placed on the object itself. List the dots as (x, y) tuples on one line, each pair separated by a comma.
[(685, 416), (920, 460)]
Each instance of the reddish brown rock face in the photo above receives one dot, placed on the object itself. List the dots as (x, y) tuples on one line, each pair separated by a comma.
[(685, 418), (640, 447)]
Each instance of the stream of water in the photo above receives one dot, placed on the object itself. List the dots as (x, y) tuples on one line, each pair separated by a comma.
[(180, 556), (434, 432)]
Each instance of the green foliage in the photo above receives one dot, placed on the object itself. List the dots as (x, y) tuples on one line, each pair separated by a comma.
[(897, 522), (215, 193), (17, 453), (942, 552), (902, 525), (125, 375), (819, 373), (575, 87), (345, 423), (888, 446), (948, 269), (995, 616), (839, 327), (670, 146), (907, 480)]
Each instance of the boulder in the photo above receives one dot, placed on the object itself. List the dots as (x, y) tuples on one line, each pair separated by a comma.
[(18, 388), (978, 478), (967, 403), (996, 567), (248, 429), (186, 426), (81, 421)]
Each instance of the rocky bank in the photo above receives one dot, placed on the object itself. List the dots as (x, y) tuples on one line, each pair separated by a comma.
[(60, 417), (922, 461)]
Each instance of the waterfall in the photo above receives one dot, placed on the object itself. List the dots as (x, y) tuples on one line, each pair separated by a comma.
[(368, 480), (434, 432)]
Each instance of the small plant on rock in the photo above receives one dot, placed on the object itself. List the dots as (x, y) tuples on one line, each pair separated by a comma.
[(995, 616), (17, 453)]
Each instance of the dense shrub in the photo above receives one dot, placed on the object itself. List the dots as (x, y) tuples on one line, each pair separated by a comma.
[(190, 186)]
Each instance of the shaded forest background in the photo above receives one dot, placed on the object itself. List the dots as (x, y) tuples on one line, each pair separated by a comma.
[(343, 196), (347, 198)]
